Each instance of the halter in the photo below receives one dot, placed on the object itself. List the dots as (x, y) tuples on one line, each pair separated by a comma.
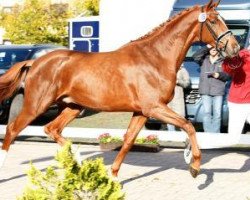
[(203, 19)]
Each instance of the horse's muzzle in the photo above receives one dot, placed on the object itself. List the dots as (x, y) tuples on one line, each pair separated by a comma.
[(234, 51), (231, 52)]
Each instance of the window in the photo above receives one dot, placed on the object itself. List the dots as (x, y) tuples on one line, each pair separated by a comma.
[(8, 57), (240, 33), (39, 53), (195, 47), (86, 31)]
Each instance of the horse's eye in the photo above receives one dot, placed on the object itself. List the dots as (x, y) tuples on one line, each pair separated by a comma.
[(213, 22)]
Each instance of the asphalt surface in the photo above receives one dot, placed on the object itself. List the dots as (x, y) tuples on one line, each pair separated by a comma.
[(225, 174)]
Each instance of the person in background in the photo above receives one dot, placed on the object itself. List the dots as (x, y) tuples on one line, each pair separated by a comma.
[(211, 87), (178, 102)]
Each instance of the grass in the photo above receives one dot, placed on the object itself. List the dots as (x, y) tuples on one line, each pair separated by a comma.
[(117, 120)]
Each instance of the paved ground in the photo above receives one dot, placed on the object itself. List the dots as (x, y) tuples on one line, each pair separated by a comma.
[(225, 174)]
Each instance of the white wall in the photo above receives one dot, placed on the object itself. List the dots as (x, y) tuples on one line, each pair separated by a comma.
[(125, 20)]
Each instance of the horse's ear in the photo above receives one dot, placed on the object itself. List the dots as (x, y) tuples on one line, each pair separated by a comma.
[(210, 3), (217, 3)]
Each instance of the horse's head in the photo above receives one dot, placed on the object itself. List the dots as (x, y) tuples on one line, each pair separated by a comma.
[(214, 31)]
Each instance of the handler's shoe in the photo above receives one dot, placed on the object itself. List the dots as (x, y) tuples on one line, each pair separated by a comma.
[(188, 152)]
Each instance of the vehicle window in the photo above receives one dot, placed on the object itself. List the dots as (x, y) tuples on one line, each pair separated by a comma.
[(8, 57), (240, 34), (42, 52), (39, 53), (195, 47)]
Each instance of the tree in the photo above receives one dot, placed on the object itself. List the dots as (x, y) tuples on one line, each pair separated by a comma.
[(86, 7), (36, 22), (92, 6)]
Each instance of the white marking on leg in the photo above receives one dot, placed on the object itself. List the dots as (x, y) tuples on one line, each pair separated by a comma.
[(188, 153), (3, 155), (113, 178), (77, 155)]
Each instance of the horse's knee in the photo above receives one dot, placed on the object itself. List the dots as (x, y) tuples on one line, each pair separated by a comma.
[(128, 141)]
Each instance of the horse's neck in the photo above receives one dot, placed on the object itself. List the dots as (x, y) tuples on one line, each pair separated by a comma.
[(175, 37)]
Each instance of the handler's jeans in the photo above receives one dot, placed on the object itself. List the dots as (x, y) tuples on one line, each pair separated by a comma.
[(212, 113)]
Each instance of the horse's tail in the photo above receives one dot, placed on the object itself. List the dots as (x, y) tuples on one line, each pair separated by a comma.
[(12, 79)]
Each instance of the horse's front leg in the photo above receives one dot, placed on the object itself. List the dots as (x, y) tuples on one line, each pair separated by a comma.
[(136, 124), (165, 114)]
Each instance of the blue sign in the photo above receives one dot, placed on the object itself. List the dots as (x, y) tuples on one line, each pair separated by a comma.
[(84, 34)]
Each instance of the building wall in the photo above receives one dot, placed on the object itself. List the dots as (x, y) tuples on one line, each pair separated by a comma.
[(124, 20)]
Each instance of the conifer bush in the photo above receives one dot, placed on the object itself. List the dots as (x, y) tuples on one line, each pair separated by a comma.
[(68, 180)]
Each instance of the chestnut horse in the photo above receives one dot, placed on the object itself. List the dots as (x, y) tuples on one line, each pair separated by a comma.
[(139, 77)]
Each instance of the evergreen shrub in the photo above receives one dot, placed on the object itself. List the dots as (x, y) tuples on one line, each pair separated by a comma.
[(67, 180)]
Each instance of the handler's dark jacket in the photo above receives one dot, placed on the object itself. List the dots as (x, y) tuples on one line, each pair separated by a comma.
[(208, 85)]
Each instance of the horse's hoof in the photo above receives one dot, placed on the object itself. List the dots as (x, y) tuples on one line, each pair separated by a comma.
[(194, 172)]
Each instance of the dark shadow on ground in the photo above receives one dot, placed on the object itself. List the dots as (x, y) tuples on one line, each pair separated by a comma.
[(169, 160), (18, 176), (12, 178), (162, 160), (41, 159)]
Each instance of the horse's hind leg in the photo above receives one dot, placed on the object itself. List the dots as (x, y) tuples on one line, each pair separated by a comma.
[(163, 113), (136, 124), (54, 128)]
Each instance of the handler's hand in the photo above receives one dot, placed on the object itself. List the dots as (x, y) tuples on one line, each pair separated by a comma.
[(216, 75)]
